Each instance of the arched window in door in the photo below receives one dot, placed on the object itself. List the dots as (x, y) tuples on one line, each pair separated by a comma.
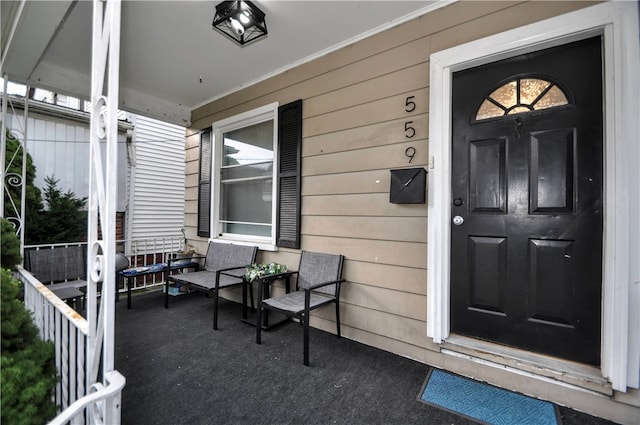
[(520, 95)]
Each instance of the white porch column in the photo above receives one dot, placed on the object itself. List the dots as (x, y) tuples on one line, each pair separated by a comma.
[(3, 142), (102, 199)]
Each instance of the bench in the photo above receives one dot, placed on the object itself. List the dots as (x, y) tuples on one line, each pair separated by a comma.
[(224, 266), (62, 269), (149, 269)]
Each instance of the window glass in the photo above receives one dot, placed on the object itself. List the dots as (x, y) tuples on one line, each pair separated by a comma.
[(531, 89), (246, 207), (554, 97), (246, 185), (521, 95), (249, 145)]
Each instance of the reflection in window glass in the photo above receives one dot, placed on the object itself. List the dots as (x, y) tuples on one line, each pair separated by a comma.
[(249, 145), (489, 109), (531, 89), (246, 207), (520, 96), (554, 97), (507, 94)]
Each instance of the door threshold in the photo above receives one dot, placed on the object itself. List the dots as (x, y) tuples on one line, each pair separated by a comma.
[(565, 372)]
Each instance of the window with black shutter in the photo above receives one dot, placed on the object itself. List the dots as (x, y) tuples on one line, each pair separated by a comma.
[(204, 185), (253, 192)]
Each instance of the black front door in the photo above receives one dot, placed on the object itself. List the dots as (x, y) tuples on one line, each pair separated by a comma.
[(526, 238)]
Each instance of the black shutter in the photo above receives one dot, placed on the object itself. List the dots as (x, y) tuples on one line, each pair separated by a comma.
[(204, 185), (289, 154)]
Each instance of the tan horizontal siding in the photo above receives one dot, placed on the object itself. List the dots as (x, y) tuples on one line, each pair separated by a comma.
[(190, 222), (379, 157), (397, 303), (509, 18), (406, 254), (191, 193), (401, 81), (360, 205), (376, 134), (397, 278), (191, 180), (192, 155), (192, 162), (407, 229), (191, 208), (421, 354), (366, 77), (377, 111), (372, 181), (392, 326), (290, 258)]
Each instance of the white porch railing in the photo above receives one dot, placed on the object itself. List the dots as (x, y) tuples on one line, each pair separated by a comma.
[(143, 252), (68, 330), (140, 252), (99, 399)]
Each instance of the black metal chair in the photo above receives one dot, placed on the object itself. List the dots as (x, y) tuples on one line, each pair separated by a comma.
[(318, 284), (62, 269), (224, 266)]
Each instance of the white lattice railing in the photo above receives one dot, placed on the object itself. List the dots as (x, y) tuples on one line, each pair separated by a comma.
[(143, 252), (140, 252), (68, 330)]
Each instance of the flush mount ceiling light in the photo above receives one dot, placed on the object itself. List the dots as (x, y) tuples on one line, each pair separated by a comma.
[(241, 21)]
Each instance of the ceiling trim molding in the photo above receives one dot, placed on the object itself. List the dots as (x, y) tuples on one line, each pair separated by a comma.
[(72, 83), (141, 103)]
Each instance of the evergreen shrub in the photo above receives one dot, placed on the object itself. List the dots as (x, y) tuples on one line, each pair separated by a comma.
[(27, 364)]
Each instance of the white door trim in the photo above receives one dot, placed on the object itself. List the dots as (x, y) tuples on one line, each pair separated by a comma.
[(618, 22)]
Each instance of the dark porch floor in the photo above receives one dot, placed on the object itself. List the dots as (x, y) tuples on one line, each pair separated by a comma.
[(180, 371)]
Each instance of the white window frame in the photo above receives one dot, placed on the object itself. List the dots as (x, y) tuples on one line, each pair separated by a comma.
[(618, 23), (255, 116)]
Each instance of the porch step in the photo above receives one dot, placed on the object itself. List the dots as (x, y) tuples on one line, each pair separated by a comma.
[(579, 375)]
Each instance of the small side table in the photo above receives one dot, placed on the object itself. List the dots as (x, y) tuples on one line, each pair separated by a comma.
[(70, 294), (154, 268), (264, 282)]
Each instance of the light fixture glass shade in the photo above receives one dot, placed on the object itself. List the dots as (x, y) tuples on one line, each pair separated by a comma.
[(241, 21)]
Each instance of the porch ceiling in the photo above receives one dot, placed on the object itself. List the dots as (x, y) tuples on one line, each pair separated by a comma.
[(172, 60)]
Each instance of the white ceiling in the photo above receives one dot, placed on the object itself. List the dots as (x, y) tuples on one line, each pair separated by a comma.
[(172, 60)]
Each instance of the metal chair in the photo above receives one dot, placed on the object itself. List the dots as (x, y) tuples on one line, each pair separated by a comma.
[(224, 266), (62, 269), (318, 284)]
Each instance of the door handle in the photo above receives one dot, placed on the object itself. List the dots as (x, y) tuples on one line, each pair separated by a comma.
[(457, 220)]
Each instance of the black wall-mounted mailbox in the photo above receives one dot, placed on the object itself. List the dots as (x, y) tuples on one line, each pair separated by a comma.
[(408, 186)]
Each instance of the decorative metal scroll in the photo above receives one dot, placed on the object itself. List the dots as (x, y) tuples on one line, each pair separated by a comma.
[(12, 204)]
